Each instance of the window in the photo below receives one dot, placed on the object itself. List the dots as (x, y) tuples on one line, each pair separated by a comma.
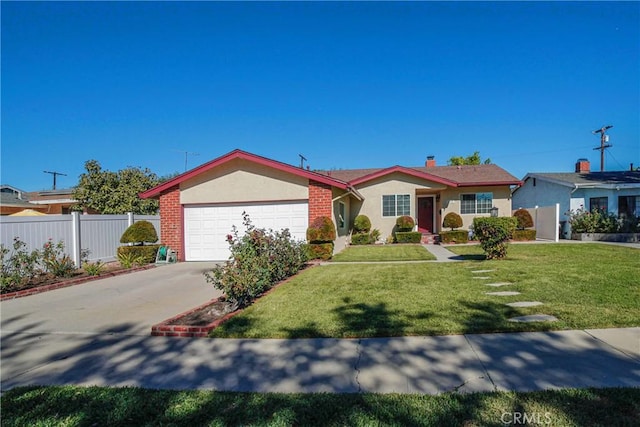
[(599, 203), (476, 203), (396, 205), (341, 215), (628, 206)]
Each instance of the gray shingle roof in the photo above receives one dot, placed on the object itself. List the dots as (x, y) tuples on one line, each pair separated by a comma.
[(595, 178)]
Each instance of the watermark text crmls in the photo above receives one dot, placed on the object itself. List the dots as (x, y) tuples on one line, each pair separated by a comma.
[(526, 418)]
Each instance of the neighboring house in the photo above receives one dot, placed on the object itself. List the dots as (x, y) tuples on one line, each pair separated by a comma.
[(14, 200), (199, 207), (614, 192), (56, 201)]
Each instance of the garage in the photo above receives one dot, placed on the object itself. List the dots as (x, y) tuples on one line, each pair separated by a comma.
[(206, 227)]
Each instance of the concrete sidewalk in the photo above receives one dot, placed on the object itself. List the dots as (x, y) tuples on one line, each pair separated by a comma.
[(464, 363)]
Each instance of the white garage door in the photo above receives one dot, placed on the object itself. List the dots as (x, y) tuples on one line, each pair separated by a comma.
[(207, 227)]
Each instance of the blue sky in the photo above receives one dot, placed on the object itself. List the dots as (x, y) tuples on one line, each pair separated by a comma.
[(348, 85)]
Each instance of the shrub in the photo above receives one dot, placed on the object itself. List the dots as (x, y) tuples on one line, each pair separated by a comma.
[(141, 254), (93, 268), (408, 237), (18, 266), (494, 234), (129, 259), (55, 261), (361, 239), (405, 223), (365, 238), (454, 236), (452, 220), (322, 251), (601, 222), (259, 259), (524, 235), (361, 224), (524, 219), (321, 230), (139, 233)]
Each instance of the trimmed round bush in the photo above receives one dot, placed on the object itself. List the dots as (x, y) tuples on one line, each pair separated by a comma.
[(321, 230), (452, 220), (405, 223), (362, 224), (524, 219), (139, 233)]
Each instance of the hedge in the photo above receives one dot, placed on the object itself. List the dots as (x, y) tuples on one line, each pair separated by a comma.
[(362, 239), (456, 236), (408, 237), (147, 254), (522, 235), (321, 230), (320, 250)]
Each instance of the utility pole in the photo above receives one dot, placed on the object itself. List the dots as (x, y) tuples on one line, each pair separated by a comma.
[(55, 174), (604, 143)]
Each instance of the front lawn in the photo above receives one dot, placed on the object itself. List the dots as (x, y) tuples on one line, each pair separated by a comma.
[(583, 285), (370, 253), (98, 406)]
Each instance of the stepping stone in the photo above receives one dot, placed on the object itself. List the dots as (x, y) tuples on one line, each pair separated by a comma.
[(481, 277), (503, 294), (524, 304), (497, 285), (482, 271), (534, 318)]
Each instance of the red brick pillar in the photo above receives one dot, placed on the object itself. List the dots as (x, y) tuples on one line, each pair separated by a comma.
[(319, 200), (171, 227)]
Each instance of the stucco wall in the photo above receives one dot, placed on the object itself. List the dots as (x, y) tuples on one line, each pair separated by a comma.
[(395, 183), (243, 181), (450, 201), (545, 193)]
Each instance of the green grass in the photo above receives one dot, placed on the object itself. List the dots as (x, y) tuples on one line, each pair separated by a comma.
[(384, 253), (99, 406), (583, 285)]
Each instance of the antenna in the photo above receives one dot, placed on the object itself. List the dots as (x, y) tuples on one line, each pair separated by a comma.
[(186, 156), (55, 174), (604, 143), (302, 160)]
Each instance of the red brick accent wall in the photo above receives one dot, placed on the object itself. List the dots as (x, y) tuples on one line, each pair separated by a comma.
[(171, 227), (319, 200)]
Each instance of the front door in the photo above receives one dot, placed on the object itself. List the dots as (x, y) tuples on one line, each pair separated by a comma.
[(425, 214)]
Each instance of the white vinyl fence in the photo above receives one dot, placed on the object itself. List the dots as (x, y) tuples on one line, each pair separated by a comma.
[(100, 234), (546, 221)]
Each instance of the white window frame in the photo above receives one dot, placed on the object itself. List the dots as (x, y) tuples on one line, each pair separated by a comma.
[(477, 210), (396, 205)]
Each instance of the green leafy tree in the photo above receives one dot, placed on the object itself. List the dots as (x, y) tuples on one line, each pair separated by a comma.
[(473, 159), (115, 192)]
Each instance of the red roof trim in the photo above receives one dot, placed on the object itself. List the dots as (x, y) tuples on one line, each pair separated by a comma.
[(489, 183), (239, 154), (407, 171)]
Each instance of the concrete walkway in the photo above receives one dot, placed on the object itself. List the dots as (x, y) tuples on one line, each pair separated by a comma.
[(463, 363), (443, 254)]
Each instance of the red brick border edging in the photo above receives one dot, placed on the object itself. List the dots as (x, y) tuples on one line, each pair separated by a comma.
[(163, 329), (70, 282)]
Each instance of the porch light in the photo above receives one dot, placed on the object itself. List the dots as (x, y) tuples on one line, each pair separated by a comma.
[(494, 212)]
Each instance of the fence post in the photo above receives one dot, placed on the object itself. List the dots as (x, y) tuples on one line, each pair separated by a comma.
[(75, 236), (130, 220), (557, 216)]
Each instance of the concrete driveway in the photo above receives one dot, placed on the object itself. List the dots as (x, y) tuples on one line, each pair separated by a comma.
[(138, 300)]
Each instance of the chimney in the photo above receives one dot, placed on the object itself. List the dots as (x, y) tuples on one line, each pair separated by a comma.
[(583, 166), (431, 162)]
